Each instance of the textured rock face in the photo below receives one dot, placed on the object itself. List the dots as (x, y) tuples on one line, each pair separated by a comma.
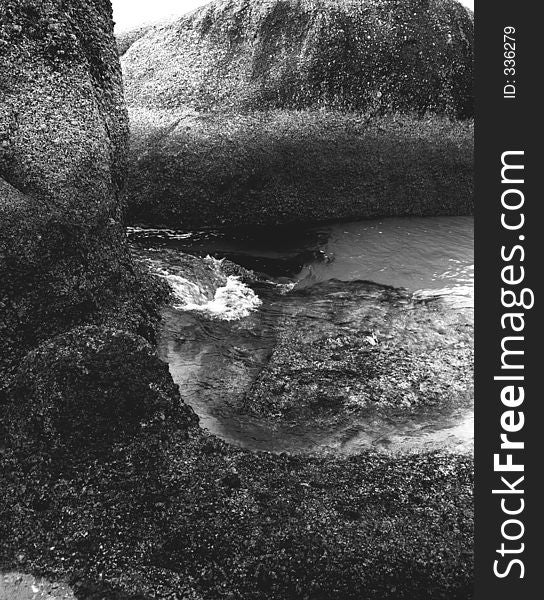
[(267, 112), (343, 54), (264, 169), (63, 132), (378, 349), (20, 586), (92, 387), (125, 39), (64, 125)]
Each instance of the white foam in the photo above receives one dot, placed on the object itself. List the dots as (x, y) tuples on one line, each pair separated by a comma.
[(186, 292), (145, 232), (284, 288), (231, 301)]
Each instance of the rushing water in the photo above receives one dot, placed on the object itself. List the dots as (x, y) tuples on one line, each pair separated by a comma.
[(220, 333)]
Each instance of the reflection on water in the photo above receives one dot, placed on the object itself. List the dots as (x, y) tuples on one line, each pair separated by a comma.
[(415, 253), (429, 256), (215, 362)]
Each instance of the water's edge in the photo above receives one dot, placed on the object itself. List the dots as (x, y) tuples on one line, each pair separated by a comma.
[(251, 357)]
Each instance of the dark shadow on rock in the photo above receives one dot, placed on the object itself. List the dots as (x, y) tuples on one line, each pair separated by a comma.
[(91, 388)]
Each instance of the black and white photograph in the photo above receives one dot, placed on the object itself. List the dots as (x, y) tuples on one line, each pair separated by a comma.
[(237, 300)]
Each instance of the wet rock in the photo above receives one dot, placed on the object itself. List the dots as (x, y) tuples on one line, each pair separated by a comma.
[(207, 274), (92, 387), (22, 586), (345, 348)]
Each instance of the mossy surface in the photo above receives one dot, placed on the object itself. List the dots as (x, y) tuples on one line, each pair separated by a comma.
[(189, 170), (90, 388), (63, 134), (364, 55), (200, 519)]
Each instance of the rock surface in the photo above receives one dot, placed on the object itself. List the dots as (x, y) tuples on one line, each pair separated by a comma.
[(268, 112), (125, 39), (347, 348), (413, 55), (213, 521), (92, 387), (21, 586), (63, 133), (192, 171)]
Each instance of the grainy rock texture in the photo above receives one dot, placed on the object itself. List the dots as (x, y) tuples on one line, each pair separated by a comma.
[(63, 132), (214, 522), (266, 112), (374, 348), (126, 38), (93, 387), (20, 586), (391, 55), (189, 170)]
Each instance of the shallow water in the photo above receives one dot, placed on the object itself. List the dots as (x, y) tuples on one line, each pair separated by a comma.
[(429, 256), (215, 355)]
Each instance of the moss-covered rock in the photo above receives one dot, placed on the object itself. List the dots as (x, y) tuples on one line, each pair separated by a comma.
[(266, 112), (386, 55), (214, 521), (63, 133), (374, 348), (92, 387), (229, 170)]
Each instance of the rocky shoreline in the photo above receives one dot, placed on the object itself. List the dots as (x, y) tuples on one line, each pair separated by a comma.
[(213, 521), (107, 482)]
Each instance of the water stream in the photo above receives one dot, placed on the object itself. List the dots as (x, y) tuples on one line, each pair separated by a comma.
[(221, 330)]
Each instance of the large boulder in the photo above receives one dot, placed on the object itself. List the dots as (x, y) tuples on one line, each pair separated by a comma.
[(63, 133), (271, 112), (343, 54), (190, 170), (92, 387)]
